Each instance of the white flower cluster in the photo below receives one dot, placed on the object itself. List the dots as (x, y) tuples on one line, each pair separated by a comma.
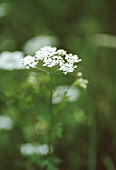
[(28, 149), (51, 57)]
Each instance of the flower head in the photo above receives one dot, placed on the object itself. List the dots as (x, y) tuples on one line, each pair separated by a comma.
[(52, 57)]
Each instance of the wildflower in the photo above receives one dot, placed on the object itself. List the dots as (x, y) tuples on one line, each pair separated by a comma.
[(52, 57)]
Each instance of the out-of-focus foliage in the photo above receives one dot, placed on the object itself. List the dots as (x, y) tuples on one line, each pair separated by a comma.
[(87, 28)]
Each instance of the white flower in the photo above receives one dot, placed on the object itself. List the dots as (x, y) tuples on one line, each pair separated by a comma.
[(5, 9), (49, 62), (11, 60), (28, 149), (81, 82), (65, 92), (52, 57), (29, 62), (72, 58), (6, 122), (61, 52), (67, 68)]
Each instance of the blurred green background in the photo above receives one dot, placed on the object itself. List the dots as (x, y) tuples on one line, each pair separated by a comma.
[(86, 28)]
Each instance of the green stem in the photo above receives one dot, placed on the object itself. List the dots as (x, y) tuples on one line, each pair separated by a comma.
[(50, 112), (43, 71), (51, 91)]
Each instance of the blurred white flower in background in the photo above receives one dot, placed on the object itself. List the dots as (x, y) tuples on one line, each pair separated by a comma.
[(33, 81), (11, 60), (4, 9), (80, 81), (83, 82), (35, 43), (62, 93), (105, 40), (81, 117), (6, 122), (28, 149)]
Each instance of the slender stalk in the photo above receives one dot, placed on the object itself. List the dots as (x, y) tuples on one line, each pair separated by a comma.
[(41, 70), (50, 111), (51, 94)]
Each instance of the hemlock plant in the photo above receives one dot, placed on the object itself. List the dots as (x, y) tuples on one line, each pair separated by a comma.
[(52, 57)]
